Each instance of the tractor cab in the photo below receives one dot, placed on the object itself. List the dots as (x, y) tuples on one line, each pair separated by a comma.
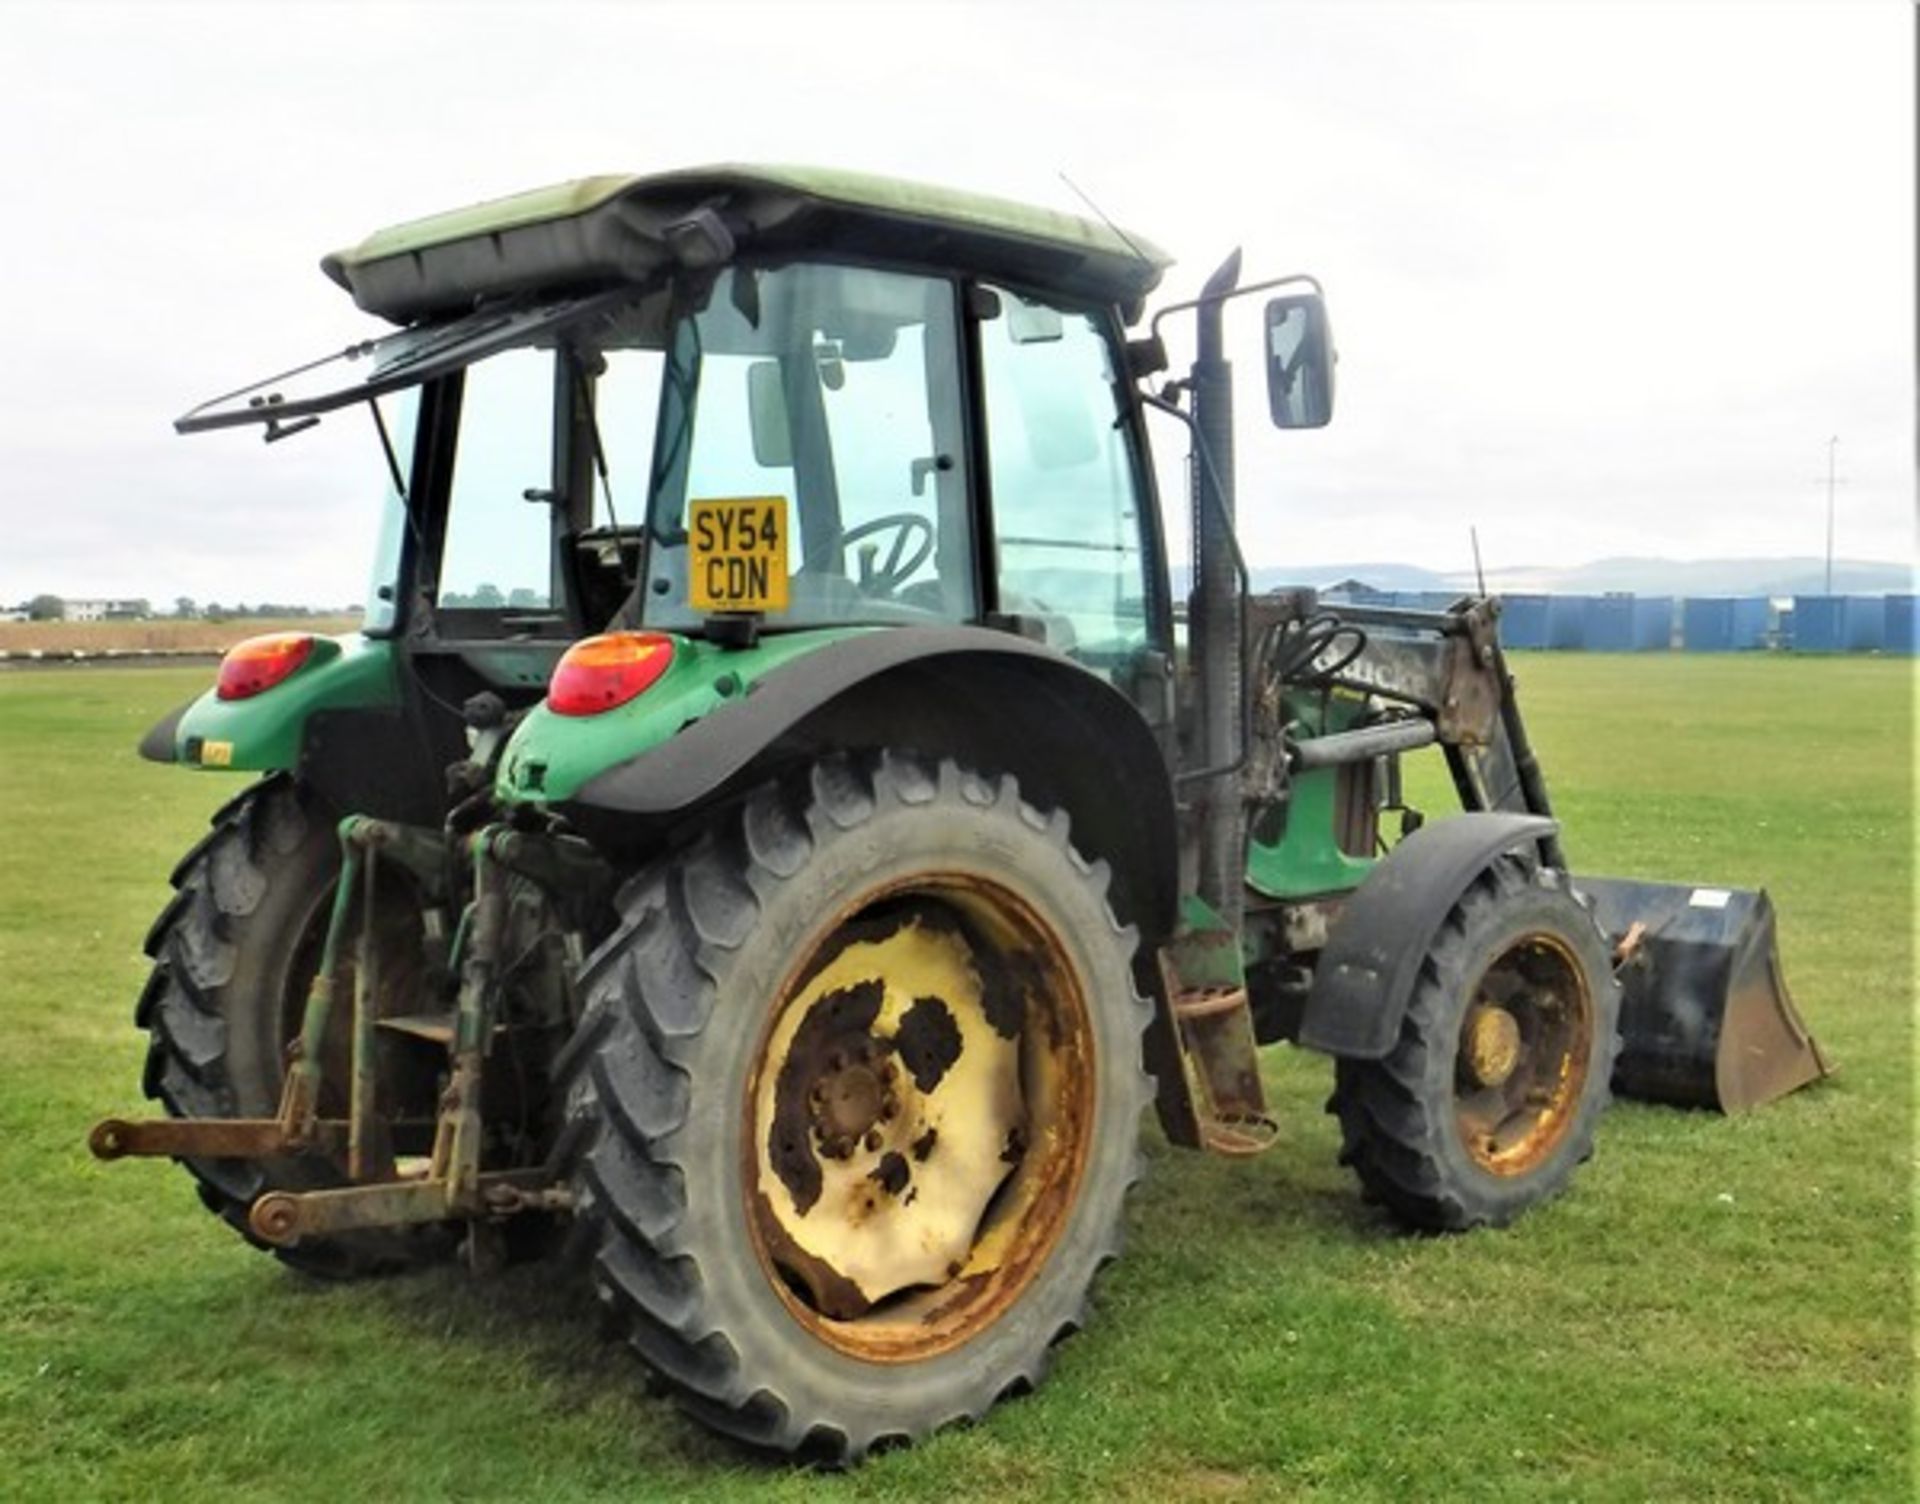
[(680, 421)]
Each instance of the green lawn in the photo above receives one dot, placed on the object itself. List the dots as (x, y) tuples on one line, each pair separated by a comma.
[(1719, 1309)]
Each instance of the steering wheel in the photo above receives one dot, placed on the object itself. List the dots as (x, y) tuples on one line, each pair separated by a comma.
[(912, 544)]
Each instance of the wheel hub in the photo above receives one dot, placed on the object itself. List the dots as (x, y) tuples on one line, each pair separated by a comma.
[(1521, 1064), (1492, 1045), (854, 1096)]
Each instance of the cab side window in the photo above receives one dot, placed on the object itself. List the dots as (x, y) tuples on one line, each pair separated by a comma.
[(1065, 486), (498, 552)]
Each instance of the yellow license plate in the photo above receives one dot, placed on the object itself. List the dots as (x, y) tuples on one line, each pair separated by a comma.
[(738, 553)]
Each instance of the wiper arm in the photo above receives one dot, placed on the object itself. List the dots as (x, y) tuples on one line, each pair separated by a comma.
[(393, 472)]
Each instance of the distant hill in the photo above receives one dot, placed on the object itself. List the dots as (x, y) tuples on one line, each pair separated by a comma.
[(1642, 576), (1795, 576), (1320, 576)]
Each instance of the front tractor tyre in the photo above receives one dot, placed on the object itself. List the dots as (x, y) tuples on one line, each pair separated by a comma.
[(856, 1102), (1488, 1101), (234, 956)]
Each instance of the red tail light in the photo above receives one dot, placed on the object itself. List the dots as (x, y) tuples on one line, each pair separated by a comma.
[(598, 673), (259, 663)]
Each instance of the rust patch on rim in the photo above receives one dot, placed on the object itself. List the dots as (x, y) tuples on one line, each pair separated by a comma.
[(1521, 1061), (1030, 1001)]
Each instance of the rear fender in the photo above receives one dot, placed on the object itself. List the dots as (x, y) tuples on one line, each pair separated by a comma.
[(997, 702), (265, 733), (1367, 972)]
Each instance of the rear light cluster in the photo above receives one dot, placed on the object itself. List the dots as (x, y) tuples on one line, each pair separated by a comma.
[(599, 673), (259, 663)]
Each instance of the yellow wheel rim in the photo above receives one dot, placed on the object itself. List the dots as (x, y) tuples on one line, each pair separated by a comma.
[(1521, 1065), (917, 1120)]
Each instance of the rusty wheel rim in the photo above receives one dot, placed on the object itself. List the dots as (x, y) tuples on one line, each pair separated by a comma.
[(1521, 1063), (917, 1117)]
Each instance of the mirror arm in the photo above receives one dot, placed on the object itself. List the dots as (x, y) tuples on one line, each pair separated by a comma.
[(1153, 326)]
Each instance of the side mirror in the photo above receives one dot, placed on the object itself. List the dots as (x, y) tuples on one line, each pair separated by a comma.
[(767, 416), (1300, 359)]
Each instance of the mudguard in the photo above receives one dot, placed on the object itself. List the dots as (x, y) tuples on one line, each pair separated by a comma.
[(1366, 974), (995, 700), (264, 733)]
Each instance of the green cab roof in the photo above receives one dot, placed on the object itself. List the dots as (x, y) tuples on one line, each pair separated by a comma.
[(607, 229)]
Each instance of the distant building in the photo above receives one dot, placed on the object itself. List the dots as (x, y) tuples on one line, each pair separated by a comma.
[(17, 615), (1356, 593), (103, 610)]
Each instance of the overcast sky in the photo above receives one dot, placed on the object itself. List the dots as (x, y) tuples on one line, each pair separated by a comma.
[(1604, 278)]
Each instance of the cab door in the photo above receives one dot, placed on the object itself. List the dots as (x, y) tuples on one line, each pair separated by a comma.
[(1076, 547)]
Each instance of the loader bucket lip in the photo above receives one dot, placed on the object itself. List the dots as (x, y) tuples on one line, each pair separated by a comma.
[(1706, 1019)]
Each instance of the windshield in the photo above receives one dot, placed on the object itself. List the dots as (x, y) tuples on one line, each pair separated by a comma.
[(810, 463)]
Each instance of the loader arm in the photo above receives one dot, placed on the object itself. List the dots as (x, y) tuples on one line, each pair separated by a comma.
[(1446, 668), (1707, 1018)]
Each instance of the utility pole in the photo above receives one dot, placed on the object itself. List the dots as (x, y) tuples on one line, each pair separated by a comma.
[(1832, 480)]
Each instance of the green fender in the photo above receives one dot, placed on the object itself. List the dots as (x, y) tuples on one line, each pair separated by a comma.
[(265, 732)]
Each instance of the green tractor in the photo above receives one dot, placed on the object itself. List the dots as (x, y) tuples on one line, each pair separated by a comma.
[(779, 825)]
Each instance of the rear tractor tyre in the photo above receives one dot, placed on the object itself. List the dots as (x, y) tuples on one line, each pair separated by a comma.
[(856, 1104), (1487, 1103), (234, 953)]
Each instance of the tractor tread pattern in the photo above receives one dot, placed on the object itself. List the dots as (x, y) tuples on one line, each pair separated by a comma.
[(650, 989)]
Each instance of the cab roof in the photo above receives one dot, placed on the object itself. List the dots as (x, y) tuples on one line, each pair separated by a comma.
[(604, 230)]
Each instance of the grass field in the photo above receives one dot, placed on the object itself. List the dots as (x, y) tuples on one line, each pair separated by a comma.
[(1720, 1309)]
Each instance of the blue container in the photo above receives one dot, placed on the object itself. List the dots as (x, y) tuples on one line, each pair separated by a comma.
[(1523, 621), (1609, 627), (1652, 623), (1706, 624), (1752, 616), (1567, 621), (1863, 623), (1816, 623), (1902, 614)]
